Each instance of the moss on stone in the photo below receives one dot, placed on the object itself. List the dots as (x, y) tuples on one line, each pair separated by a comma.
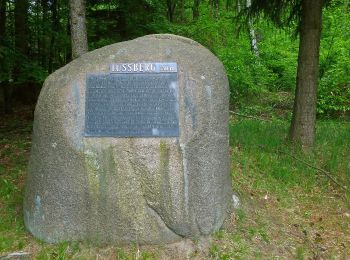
[(93, 180), (92, 167), (163, 156)]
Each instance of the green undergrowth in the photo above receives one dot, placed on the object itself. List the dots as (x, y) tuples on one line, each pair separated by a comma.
[(262, 156), (14, 149), (288, 209)]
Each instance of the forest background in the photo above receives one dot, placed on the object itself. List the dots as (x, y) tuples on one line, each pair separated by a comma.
[(293, 204), (35, 41)]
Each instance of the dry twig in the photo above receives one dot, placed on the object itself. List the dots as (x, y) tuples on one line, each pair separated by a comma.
[(252, 117), (326, 173)]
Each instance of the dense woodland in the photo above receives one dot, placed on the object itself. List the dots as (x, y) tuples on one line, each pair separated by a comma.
[(288, 63), (258, 42)]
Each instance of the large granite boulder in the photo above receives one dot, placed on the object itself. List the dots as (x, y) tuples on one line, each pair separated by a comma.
[(120, 190)]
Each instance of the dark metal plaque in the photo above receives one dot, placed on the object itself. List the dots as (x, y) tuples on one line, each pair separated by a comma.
[(134, 100)]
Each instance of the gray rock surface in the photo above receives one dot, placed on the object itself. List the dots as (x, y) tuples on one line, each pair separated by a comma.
[(121, 190)]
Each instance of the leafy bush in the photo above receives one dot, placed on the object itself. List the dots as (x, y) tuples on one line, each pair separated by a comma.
[(248, 76), (334, 89), (279, 53)]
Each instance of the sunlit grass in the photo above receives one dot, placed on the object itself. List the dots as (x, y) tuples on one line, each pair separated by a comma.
[(262, 154)]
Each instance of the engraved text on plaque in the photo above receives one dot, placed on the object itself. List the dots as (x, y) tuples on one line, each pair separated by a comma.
[(134, 100)]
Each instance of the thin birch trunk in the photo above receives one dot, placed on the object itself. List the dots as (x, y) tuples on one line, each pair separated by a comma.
[(252, 35)]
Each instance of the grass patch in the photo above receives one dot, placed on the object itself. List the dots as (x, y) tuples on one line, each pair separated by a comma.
[(288, 210), (261, 152), (14, 152)]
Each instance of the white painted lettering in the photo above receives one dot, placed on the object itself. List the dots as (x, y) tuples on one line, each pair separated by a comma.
[(129, 67)]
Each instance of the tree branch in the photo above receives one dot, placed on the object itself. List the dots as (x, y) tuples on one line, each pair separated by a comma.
[(326, 173)]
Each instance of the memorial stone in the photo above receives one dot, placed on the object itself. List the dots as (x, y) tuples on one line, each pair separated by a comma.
[(130, 144)]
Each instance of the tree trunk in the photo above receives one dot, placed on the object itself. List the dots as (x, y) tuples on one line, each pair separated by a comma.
[(68, 50), (22, 91), (171, 4), (252, 35), (182, 10), (2, 19), (78, 28), (215, 8), (238, 6), (55, 29), (43, 36), (195, 9), (228, 4), (303, 125), (3, 104), (38, 30), (21, 38), (122, 22)]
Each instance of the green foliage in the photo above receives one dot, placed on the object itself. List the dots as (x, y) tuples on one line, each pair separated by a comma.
[(13, 158), (6, 63), (62, 251), (279, 54), (280, 12), (300, 253), (32, 72), (254, 81), (248, 76), (105, 17), (334, 90), (121, 254)]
